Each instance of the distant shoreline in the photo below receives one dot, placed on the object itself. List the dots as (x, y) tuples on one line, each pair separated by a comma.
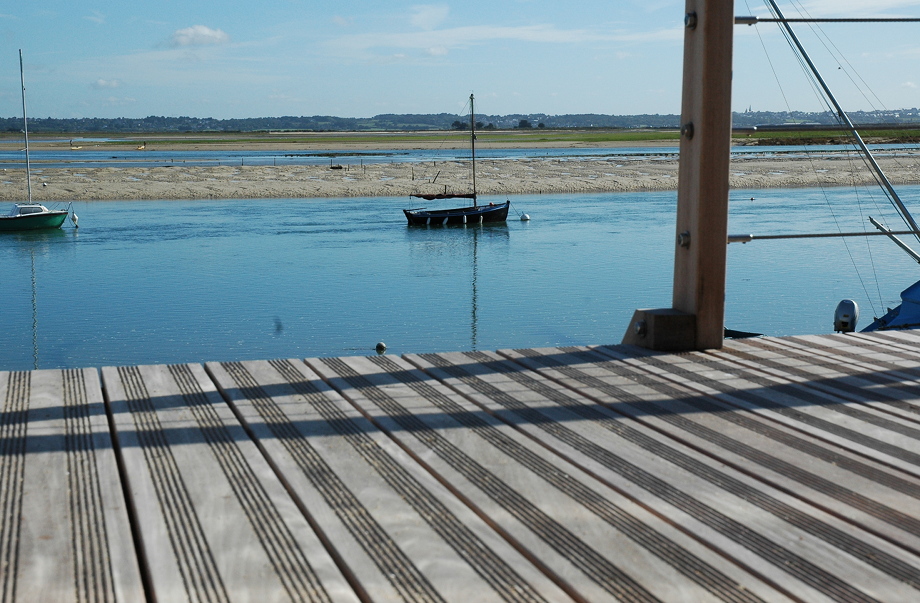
[(420, 140)]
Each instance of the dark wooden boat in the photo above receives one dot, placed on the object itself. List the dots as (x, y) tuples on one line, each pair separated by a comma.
[(474, 214)]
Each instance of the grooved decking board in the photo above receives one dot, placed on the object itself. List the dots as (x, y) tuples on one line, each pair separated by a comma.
[(215, 523), (605, 545), (773, 469), (799, 547), (64, 531), (859, 489), (404, 535)]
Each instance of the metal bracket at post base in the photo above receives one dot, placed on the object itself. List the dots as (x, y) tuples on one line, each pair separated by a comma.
[(662, 329)]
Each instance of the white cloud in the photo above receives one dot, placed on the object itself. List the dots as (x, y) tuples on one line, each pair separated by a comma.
[(198, 35), (96, 17), (910, 85), (429, 16), (102, 84)]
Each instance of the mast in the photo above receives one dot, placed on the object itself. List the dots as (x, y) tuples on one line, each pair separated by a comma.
[(473, 147), (25, 127), (905, 214)]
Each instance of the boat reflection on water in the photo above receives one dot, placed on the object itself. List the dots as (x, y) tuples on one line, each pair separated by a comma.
[(38, 244), (453, 252)]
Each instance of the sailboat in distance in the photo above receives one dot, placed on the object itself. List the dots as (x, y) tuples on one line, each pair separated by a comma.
[(30, 215), (475, 214)]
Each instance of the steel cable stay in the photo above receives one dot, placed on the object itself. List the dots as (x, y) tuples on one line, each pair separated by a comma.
[(822, 100), (827, 98)]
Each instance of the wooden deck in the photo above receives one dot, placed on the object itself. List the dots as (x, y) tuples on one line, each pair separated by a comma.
[(775, 469)]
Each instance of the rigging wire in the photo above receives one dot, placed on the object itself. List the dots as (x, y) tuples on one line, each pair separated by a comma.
[(811, 80), (835, 52), (442, 143), (841, 117), (824, 38)]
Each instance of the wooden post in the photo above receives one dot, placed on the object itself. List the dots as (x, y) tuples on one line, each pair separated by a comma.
[(696, 321)]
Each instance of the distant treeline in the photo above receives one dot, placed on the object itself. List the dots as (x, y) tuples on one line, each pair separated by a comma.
[(440, 121)]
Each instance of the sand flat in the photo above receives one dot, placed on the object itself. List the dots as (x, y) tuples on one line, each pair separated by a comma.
[(538, 175)]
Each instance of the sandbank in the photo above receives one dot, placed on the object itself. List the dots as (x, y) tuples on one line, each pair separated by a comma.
[(543, 175)]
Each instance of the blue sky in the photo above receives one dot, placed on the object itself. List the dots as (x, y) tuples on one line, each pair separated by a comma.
[(351, 58)]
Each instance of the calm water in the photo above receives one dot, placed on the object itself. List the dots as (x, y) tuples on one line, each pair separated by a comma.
[(177, 281)]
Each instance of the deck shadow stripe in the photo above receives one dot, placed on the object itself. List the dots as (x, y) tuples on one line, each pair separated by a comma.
[(846, 496), (504, 580), (799, 392), (742, 418), (93, 578), (590, 562), (889, 380), (852, 545)]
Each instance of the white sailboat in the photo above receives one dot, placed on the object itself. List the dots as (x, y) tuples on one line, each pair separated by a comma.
[(29, 215)]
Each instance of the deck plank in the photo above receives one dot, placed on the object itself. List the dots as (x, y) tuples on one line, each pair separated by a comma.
[(65, 532), (215, 523), (797, 405), (404, 534), (700, 493), (604, 543), (867, 493), (773, 469)]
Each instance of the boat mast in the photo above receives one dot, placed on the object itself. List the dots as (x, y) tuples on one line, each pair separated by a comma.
[(473, 147), (25, 127), (908, 218)]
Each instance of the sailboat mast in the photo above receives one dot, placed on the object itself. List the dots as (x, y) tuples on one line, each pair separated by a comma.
[(473, 147), (25, 127), (908, 218)]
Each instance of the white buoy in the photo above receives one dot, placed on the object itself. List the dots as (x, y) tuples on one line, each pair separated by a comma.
[(381, 347), (525, 217)]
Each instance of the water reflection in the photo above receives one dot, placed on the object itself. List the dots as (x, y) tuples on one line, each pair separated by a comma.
[(37, 243), (455, 250)]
